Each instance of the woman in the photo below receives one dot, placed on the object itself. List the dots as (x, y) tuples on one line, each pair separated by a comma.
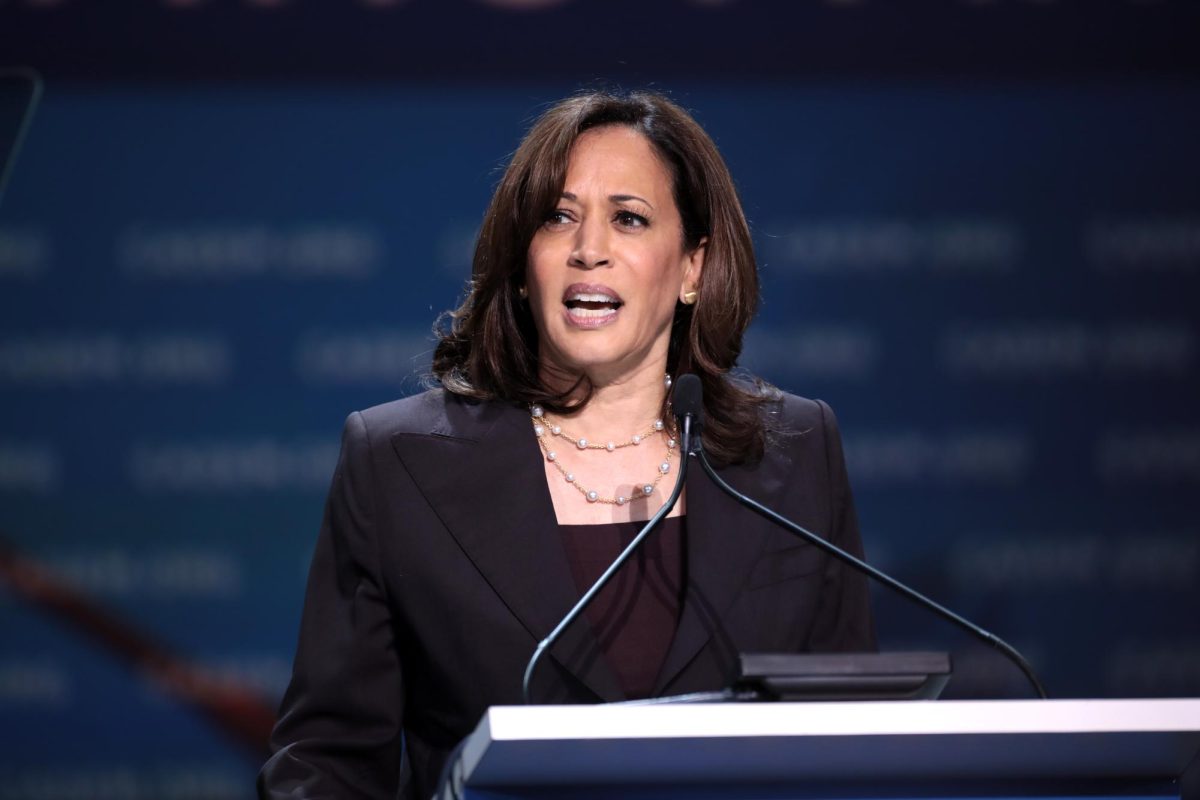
[(464, 522)]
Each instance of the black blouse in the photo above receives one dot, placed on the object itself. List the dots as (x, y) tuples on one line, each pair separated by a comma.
[(634, 617)]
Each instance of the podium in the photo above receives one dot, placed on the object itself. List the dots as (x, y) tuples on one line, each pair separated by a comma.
[(770, 751)]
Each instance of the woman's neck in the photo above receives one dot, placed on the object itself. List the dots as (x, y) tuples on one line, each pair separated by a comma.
[(617, 411), (620, 408)]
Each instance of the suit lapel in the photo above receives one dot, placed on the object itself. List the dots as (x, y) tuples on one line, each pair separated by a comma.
[(724, 541), (482, 473)]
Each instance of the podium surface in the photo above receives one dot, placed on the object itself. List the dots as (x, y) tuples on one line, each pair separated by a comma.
[(1062, 748)]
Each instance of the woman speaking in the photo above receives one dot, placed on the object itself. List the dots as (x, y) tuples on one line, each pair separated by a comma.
[(463, 523)]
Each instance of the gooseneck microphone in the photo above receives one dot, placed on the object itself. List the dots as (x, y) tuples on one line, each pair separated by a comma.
[(1010, 652), (686, 404)]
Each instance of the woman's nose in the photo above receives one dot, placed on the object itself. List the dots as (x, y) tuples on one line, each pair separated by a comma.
[(591, 245)]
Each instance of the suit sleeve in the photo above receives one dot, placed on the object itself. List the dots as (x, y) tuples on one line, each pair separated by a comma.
[(844, 621), (339, 729)]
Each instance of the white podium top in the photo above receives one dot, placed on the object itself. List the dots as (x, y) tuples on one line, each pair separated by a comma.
[(1062, 740)]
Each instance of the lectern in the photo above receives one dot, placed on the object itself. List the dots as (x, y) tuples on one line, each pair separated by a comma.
[(769, 751)]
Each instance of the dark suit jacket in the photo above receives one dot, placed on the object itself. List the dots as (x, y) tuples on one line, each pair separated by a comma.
[(438, 569)]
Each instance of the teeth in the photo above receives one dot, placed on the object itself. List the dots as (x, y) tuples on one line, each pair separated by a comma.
[(591, 312), (592, 298)]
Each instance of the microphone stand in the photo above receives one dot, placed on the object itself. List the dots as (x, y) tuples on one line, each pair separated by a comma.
[(912, 594)]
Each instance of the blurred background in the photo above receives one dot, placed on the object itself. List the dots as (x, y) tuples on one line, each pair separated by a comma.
[(232, 222)]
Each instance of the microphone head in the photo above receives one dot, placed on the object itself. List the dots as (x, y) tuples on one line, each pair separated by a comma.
[(689, 400)]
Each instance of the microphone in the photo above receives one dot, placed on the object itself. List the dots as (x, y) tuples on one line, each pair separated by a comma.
[(687, 406), (992, 639), (689, 402)]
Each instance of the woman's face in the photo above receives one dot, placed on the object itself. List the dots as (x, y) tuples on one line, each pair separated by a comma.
[(607, 267)]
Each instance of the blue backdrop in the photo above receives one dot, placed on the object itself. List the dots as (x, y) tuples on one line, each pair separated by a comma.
[(994, 286)]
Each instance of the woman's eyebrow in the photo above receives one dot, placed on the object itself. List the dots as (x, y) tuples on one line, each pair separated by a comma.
[(612, 198), (624, 198)]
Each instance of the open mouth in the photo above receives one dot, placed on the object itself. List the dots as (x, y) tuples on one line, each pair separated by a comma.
[(591, 303)]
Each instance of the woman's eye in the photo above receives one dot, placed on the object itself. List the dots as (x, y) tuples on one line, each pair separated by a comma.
[(629, 219), (557, 217)]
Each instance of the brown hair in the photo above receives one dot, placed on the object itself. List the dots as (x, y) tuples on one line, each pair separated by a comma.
[(489, 349)]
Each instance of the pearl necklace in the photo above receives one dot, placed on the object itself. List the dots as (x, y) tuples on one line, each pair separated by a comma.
[(540, 429)]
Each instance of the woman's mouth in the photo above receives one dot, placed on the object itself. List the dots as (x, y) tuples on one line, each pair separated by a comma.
[(590, 306)]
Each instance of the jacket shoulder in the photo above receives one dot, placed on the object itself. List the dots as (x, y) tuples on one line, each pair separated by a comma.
[(418, 413), (435, 412), (790, 415)]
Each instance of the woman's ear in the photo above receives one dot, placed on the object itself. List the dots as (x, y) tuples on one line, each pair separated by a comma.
[(692, 269)]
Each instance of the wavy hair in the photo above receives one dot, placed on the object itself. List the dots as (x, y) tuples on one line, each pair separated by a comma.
[(488, 346)]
